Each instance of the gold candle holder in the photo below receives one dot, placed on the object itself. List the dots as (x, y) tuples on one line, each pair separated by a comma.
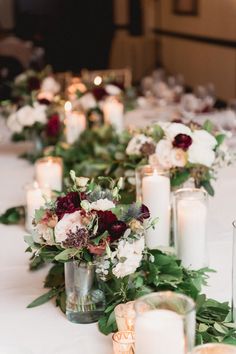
[(215, 348), (125, 316), (123, 342)]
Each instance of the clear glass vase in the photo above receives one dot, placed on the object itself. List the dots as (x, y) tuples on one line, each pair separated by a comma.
[(85, 300), (215, 348), (165, 324)]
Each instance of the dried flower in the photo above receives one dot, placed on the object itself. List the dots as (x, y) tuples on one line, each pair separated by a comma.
[(77, 239)]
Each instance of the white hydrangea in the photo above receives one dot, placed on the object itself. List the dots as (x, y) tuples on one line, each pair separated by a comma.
[(129, 255), (26, 116), (136, 143), (45, 233), (202, 149), (112, 90)]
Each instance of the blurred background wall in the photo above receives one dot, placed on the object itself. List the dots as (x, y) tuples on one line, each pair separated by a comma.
[(140, 34)]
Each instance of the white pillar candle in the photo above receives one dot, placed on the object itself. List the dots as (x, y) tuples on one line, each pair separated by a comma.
[(159, 331), (156, 196), (191, 232), (35, 198), (113, 111), (75, 123), (48, 173)]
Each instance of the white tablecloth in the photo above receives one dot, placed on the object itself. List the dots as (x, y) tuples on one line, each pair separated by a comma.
[(45, 329)]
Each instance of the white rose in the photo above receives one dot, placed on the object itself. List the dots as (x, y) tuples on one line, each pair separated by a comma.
[(26, 116), (163, 154), (49, 84), (40, 113), (113, 90), (69, 222), (202, 154), (178, 158), (175, 129), (102, 204), (204, 138), (87, 101), (190, 103), (13, 123), (45, 233), (82, 181)]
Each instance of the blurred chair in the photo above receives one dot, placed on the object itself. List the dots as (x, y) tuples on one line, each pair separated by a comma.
[(120, 76), (9, 69)]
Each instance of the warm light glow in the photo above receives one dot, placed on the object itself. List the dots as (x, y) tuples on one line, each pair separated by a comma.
[(68, 106), (97, 81)]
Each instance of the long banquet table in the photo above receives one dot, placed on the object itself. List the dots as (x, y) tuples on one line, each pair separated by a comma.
[(45, 329)]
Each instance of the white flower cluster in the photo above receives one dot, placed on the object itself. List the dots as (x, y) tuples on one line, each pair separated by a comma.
[(27, 116), (125, 259), (50, 85), (201, 150)]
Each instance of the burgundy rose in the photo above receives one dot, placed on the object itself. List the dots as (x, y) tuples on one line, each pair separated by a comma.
[(105, 220), (144, 213), (68, 204), (99, 93), (44, 101), (53, 126), (117, 229), (33, 83), (182, 141)]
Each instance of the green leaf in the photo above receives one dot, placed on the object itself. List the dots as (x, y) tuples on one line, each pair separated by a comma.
[(208, 126), (43, 298), (208, 187), (220, 139), (13, 216), (66, 254), (179, 178)]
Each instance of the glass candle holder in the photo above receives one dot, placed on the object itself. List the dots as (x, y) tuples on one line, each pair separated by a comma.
[(49, 172), (35, 198), (165, 324), (190, 217), (215, 348), (125, 316), (113, 111), (153, 190), (123, 342)]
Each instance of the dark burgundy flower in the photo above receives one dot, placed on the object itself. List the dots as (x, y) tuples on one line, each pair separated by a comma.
[(44, 101), (53, 126), (105, 220), (67, 204), (182, 141), (144, 213), (117, 229), (99, 93), (33, 83)]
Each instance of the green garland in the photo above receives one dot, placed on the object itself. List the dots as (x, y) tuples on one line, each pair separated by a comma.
[(214, 319)]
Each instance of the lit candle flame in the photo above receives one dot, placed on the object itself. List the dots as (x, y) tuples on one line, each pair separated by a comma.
[(68, 106), (97, 81)]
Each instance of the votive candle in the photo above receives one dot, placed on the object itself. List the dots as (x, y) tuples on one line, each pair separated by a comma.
[(49, 172), (113, 111)]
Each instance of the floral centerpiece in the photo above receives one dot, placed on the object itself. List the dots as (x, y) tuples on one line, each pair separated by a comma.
[(188, 151), (85, 223), (37, 122), (87, 227)]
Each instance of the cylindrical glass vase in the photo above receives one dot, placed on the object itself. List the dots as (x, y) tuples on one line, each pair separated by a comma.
[(165, 324), (153, 190), (215, 348), (190, 217), (85, 300)]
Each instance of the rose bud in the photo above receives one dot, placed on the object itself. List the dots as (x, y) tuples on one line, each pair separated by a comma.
[(52, 220)]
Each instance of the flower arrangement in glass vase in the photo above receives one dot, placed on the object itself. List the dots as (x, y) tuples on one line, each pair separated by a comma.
[(82, 225)]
